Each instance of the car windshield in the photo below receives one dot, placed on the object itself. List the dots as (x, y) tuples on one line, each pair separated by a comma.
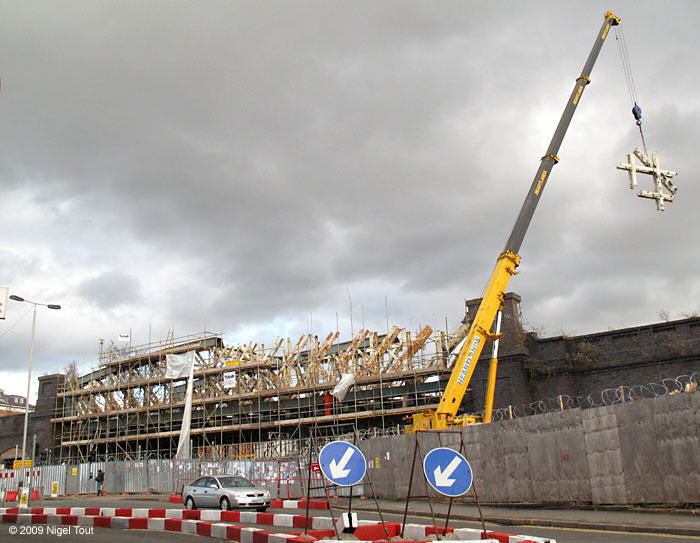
[(235, 482)]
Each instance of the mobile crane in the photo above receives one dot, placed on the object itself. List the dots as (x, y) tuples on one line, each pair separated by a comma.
[(445, 416)]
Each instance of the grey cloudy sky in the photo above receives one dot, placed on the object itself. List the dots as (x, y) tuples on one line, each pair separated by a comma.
[(242, 165)]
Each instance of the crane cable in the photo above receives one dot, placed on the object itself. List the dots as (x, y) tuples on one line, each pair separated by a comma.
[(629, 80)]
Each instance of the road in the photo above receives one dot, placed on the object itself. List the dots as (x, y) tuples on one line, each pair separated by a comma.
[(106, 535)]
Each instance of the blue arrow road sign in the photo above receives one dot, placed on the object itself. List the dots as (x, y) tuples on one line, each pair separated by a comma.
[(342, 463), (447, 471)]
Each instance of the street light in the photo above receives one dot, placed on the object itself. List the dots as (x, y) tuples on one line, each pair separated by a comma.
[(29, 371)]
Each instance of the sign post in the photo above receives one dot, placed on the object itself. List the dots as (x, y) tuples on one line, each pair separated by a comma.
[(343, 464)]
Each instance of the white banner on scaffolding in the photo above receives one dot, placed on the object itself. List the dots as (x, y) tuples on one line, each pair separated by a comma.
[(180, 365), (346, 382)]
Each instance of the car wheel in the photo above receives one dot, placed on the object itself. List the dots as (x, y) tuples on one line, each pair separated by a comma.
[(261, 509), (189, 503), (225, 504)]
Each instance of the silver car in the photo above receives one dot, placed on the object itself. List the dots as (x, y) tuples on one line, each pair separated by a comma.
[(225, 492)]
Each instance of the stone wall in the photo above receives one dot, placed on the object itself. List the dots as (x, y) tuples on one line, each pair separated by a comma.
[(12, 426), (646, 451), (532, 368)]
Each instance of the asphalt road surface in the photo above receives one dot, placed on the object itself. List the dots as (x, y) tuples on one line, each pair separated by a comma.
[(108, 535)]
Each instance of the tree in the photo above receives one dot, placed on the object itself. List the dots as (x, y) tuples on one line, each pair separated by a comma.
[(71, 372)]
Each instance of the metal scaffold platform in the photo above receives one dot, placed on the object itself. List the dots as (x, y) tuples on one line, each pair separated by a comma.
[(250, 400)]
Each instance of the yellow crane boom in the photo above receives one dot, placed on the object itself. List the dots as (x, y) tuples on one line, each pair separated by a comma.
[(445, 416)]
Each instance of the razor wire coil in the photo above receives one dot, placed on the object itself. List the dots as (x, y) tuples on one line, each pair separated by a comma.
[(607, 396)]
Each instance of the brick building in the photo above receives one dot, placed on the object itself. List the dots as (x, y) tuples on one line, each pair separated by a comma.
[(11, 404)]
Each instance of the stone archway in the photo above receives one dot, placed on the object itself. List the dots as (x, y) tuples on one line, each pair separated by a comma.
[(8, 456)]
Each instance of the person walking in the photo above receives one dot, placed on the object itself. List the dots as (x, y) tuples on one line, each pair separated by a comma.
[(100, 480)]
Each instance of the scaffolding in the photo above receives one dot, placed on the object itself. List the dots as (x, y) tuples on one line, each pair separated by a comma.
[(273, 396)]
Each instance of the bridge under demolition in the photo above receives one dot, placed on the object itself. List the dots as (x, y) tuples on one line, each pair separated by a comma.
[(265, 401), (268, 404)]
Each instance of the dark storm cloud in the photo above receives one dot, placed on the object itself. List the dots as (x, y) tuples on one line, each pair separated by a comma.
[(111, 289), (241, 164)]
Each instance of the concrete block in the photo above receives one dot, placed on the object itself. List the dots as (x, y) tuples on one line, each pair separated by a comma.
[(120, 522), (321, 523), (156, 524), (467, 534), (283, 520), (210, 514), (414, 532), (249, 517), (247, 535)]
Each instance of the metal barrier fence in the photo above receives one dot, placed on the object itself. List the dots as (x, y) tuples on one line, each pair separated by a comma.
[(42, 478), (285, 479)]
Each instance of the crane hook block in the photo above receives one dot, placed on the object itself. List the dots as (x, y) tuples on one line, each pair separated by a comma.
[(637, 112)]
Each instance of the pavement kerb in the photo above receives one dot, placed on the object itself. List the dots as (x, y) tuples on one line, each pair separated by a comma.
[(584, 525)]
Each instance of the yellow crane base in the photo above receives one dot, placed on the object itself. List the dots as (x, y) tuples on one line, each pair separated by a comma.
[(430, 420)]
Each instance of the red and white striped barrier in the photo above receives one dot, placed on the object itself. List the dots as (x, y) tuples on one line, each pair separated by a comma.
[(297, 504), (209, 515), (372, 531), (277, 504), (185, 526), (213, 523), (11, 495), (470, 534)]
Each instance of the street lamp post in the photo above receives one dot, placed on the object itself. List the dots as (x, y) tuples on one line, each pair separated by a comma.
[(29, 372)]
